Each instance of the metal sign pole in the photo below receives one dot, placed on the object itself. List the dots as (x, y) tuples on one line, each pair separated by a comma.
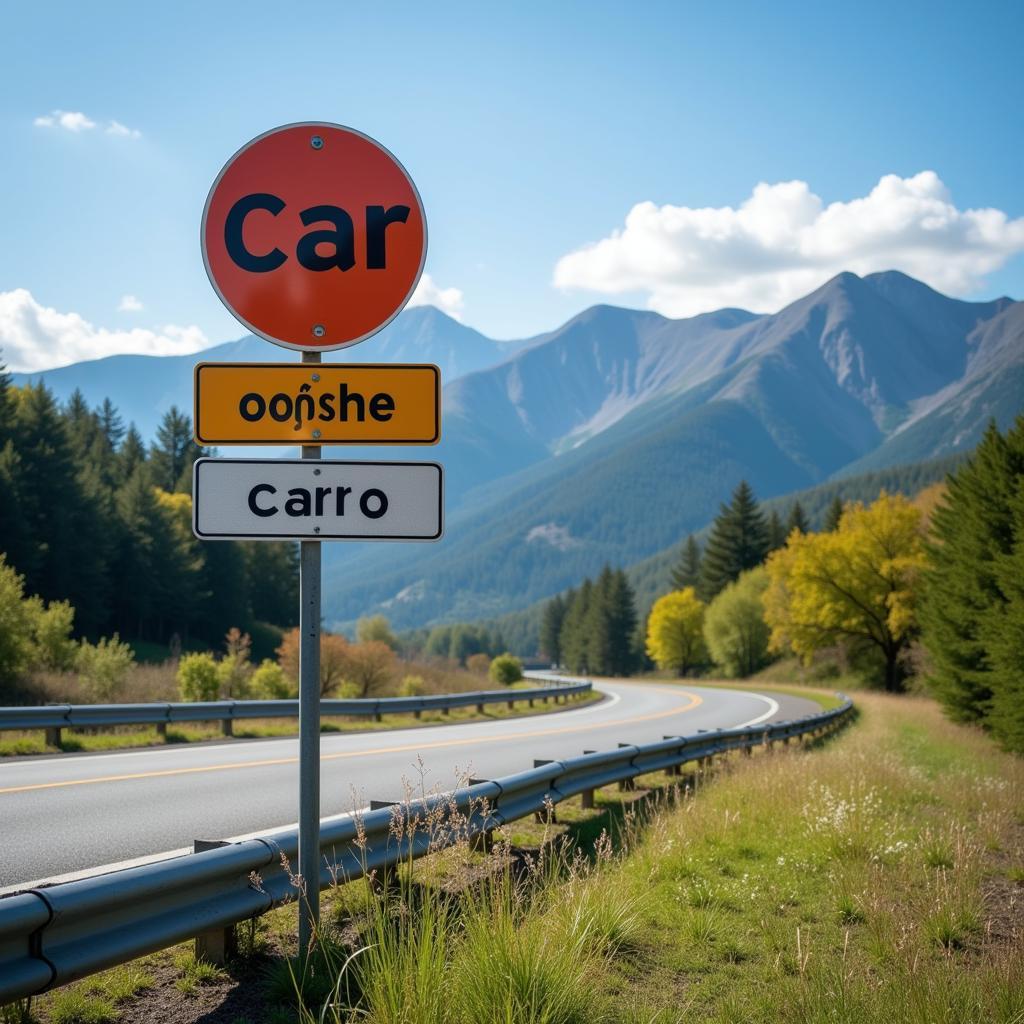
[(309, 724)]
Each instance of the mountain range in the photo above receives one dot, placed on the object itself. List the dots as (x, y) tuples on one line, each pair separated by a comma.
[(613, 436)]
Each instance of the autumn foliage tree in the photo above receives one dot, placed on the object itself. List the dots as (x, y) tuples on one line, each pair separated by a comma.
[(852, 587), (734, 627), (333, 659), (675, 631)]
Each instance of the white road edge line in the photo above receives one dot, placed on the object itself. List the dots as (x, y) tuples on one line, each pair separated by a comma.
[(154, 858), (773, 709)]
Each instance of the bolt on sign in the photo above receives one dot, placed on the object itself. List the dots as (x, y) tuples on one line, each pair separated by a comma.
[(316, 499), (306, 403), (314, 236)]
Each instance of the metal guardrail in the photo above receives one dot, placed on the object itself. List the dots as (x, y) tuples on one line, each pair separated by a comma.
[(53, 935), (71, 716)]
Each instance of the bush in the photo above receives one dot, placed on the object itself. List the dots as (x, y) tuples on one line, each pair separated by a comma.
[(478, 664), (198, 678), (370, 666), (734, 628), (269, 682), (103, 667), (412, 686), (235, 669), (16, 622), (506, 669), (54, 648)]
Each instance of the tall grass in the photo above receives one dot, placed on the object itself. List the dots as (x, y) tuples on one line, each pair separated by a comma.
[(843, 883)]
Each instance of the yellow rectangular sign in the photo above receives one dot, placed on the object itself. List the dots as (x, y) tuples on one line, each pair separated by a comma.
[(317, 403)]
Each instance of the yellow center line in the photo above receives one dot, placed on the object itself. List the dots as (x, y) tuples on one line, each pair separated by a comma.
[(693, 702)]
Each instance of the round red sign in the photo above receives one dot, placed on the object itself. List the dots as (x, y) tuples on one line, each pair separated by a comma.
[(314, 236)]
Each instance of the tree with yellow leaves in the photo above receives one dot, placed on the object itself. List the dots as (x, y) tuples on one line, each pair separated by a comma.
[(854, 586), (675, 631)]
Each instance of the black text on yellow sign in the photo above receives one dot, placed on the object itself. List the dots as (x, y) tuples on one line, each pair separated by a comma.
[(310, 403)]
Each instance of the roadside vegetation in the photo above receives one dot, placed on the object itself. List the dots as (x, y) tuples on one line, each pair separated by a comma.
[(372, 666), (875, 877)]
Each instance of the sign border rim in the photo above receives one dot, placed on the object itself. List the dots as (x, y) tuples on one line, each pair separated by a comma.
[(287, 539), (206, 261)]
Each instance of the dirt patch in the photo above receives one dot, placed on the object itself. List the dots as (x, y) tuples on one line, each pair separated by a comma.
[(1004, 896)]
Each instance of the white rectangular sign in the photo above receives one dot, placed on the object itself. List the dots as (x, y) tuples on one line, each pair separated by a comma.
[(316, 499)]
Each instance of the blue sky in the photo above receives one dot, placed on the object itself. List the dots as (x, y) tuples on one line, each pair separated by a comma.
[(532, 131)]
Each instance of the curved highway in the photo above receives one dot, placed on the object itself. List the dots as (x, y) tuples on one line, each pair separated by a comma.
[(66, 814)]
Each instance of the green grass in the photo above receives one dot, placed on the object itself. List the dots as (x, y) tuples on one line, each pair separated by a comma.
[(75, 1006), (844, 881), (839, 882), (193, 973), (14, 744)]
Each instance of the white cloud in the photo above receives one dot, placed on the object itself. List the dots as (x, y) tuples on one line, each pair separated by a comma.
[(783, 241), (129, 304), (448, 300), (35, 337), (76, 121), (70, 120), (116, 128)]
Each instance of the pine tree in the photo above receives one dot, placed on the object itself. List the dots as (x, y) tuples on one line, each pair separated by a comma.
[(973, 538), (797, 519), (8, 406), (833, 514), (738, 541), (551, 629), (137, 560), (1003, 635), (131, 454), (687, 570), (272, 572), (63, 558), (622, 613), (111, 424), (597, 625), (172, 455), (574, 638), (83, 425), (776, 532), (226, 596)]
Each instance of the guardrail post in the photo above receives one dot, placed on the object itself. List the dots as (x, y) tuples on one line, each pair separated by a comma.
[(484, 840), (227, 727), (161, 729), (378, 717), (417, 713), (53, 735), (587, 796), (218, 945), (446, 711), (531, 702), (511, 705), (675, 769), (479, 709), (626, 785)]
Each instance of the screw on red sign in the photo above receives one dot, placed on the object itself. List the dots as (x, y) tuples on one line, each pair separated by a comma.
[(314, 236)]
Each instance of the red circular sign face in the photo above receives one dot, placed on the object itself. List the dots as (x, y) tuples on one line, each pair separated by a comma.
[(314, 236)]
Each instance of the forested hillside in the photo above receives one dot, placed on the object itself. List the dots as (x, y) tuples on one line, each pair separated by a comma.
[(91, 514), (653, 575)]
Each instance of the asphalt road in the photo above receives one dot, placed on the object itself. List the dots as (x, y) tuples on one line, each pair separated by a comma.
[(70, 813)]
